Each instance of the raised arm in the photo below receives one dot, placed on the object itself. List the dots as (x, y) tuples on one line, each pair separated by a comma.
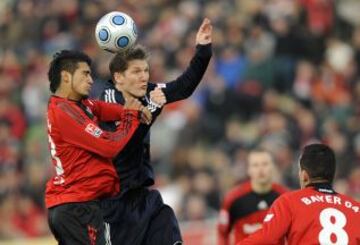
[(183, 86)]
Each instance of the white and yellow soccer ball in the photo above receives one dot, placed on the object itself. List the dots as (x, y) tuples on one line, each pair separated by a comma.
[(116, 32)]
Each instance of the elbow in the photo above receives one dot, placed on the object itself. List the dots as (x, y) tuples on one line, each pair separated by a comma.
[(112, 150), (186, 94), (111, 153)]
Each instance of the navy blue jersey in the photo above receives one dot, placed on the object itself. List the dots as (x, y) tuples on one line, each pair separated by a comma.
[(133, 162)]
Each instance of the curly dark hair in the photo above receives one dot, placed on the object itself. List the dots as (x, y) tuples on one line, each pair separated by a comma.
[(65, 60)]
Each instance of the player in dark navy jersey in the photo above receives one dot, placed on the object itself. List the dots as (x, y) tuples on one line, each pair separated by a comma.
[(138, 215)]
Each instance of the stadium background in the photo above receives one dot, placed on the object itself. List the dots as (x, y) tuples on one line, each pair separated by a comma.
[(284, 73)]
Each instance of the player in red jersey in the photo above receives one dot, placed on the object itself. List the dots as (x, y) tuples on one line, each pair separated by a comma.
[(81, 152), (244, 207), (316, 214)]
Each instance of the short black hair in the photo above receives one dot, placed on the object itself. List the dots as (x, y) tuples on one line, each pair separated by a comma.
[(120, 61), (65, 60), (319, 162)]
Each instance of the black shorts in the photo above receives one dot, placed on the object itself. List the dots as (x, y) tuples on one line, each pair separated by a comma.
[(139, 217), (77, 223)]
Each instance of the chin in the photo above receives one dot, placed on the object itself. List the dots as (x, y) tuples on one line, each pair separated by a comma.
[(140, 94)]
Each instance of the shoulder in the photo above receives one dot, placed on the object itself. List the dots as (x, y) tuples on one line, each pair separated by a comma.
[(108, 84), (279, 188), (108, 95), (63, 110), (348, 198), (293, 196), (237, 192), (108, 92), (112, 95)]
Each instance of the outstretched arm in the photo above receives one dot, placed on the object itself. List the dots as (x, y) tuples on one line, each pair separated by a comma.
[(183, 86)]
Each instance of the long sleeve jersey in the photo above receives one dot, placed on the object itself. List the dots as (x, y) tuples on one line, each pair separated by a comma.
[(133, 163), (314, 215), (243, 211), (81, 152)]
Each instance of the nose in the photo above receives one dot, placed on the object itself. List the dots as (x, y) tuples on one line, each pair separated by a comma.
[(91, 81), (144, 77)]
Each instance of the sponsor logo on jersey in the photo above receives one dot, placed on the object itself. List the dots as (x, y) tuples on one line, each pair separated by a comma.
[(326, 190), (161, 85), (262, 205), (93, 130), (251, 228)]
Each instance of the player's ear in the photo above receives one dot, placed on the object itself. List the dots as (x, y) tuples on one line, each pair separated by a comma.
[(305, 176), (118, 77), (65, 76)]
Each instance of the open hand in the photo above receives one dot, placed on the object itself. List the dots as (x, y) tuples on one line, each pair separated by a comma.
[(204, 34)]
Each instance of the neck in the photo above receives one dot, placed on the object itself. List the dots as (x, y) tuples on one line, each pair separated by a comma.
[(317, 181), (261, 188), (124, 93), (67, 95)]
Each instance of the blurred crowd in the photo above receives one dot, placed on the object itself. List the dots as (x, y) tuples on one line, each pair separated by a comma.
[(284, 73)]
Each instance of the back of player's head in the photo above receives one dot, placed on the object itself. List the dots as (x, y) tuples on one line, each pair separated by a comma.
[(65, 60), (318, 160), (120, 61)]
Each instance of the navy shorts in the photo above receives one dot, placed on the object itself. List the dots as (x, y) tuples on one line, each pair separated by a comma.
[(139, 217)]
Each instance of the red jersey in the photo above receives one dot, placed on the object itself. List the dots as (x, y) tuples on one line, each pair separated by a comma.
[(243, 211), (81, 152), (314, 215)]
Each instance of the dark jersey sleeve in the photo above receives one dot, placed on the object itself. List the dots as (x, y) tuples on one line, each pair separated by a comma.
[(183, 86)]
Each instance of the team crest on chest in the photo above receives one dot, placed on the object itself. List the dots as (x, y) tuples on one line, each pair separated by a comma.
[(262, 205)]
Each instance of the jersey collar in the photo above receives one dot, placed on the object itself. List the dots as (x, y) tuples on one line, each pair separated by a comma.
[(325, 188)]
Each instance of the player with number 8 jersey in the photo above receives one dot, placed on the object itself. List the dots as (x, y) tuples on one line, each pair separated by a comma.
[(316, 214)]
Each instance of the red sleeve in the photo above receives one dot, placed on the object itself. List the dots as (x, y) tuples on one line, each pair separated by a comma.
[(106, 111), (77, 129), (275, 225), (223, 226)]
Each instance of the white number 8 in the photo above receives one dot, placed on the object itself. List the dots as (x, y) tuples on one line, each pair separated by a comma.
[(336, 227)]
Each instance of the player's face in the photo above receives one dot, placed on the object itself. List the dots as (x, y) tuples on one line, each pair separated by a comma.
[(260, 167), (81, 82), (134, 80)]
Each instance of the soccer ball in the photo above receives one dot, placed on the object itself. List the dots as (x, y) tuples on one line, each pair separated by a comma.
[(116, 32)]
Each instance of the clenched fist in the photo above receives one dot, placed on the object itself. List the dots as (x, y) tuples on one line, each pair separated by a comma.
[(157, 96), (135, 104)]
